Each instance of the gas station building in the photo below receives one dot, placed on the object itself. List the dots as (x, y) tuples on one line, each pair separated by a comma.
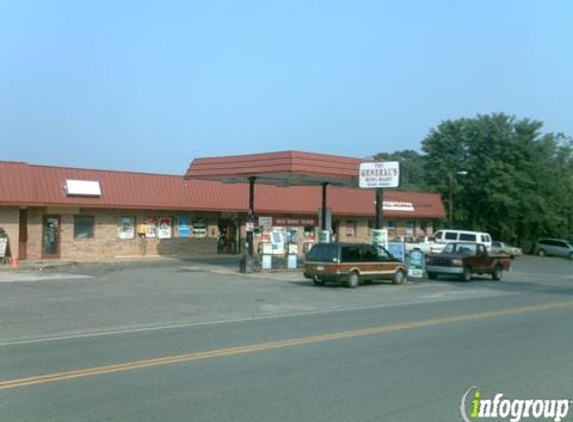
[(83, 214)]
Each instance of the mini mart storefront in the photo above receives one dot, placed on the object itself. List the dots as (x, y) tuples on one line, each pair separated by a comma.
[(149, 215), (92, 233)]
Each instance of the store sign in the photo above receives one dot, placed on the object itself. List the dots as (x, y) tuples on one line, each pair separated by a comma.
[(295, 221), (416, 263), (3, 246), (265, 221), (398, 206), (83, 188), (384, 174)]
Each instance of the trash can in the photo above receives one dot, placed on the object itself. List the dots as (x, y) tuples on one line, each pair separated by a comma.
[(246, 264)]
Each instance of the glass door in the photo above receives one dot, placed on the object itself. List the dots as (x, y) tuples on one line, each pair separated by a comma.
[(51, 237)]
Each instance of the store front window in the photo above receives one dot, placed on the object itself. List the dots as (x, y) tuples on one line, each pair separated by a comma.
[(410, 228), (184, 224), (84, 226), (350, 228)]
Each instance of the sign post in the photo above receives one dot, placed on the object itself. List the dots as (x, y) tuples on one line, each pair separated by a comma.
[(3, 249), (379, 175)]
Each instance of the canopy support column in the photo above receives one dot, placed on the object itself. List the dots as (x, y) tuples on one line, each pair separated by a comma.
[(379, 203), (251, 216)]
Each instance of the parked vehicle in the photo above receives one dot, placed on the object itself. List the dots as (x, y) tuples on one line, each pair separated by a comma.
[(444, 237), (424, 243), (352, 263), (498, 248), (464, 259), (556, 247)]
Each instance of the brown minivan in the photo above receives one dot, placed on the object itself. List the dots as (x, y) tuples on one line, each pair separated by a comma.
[(352, 263)]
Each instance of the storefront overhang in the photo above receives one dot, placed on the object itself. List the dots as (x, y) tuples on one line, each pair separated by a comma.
[(287, 168)]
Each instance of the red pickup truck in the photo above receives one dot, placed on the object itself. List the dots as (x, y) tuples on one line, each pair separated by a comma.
[(464, 259)]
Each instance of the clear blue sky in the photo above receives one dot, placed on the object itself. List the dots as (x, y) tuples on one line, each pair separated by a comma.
[(149, 85)]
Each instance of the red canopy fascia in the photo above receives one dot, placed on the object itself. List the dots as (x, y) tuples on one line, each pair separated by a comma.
[(286, 168)]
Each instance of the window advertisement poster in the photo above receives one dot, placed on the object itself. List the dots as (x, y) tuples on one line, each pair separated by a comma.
[(184, 223), (398, 250), (125, 228), (277, 241), (151, 223), (164, 231), (267, 248), (199, 228), (267, 262), (290, 236)]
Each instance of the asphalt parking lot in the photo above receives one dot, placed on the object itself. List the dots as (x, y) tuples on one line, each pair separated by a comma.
[(90, 299), (194, 340)]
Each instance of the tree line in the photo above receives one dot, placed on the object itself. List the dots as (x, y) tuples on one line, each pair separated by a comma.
[(504, 175)]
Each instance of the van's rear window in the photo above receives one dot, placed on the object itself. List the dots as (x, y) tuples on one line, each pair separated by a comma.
[(322, 252)]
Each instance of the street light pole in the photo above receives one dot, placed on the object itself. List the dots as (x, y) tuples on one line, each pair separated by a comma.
[(451, 198)]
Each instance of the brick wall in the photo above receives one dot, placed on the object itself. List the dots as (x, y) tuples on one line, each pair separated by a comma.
[(105, 243), (34, 247)]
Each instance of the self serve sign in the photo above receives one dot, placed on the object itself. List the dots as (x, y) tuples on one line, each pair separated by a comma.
[(380, 175)]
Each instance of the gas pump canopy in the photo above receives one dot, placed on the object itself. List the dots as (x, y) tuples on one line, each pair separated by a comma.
[(286, 168)]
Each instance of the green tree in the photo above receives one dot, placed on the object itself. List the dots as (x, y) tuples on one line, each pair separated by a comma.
[(411, 167), (519, 182)]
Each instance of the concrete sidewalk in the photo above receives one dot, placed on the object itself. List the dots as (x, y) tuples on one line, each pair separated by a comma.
[(54, 264), (223, 264)]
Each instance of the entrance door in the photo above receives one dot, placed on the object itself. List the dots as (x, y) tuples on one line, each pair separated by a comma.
[(51, 237), (227, 237), (23, 235)]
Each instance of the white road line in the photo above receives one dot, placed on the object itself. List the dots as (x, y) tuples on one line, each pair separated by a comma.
[(142, 329)]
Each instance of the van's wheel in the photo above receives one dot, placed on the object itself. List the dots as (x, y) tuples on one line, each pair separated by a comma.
[(571, 255), (398, 277), (432, 276), (541, 252), (318, 281), (353, 280), (497, 273), (467, 274)]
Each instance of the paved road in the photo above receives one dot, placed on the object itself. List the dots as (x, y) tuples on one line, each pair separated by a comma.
[(185, 342)]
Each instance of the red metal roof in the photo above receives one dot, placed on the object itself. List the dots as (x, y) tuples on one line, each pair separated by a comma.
[(35, 185), (285, 168)]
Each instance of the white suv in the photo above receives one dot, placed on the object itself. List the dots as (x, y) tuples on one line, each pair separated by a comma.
[(443, 237)]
